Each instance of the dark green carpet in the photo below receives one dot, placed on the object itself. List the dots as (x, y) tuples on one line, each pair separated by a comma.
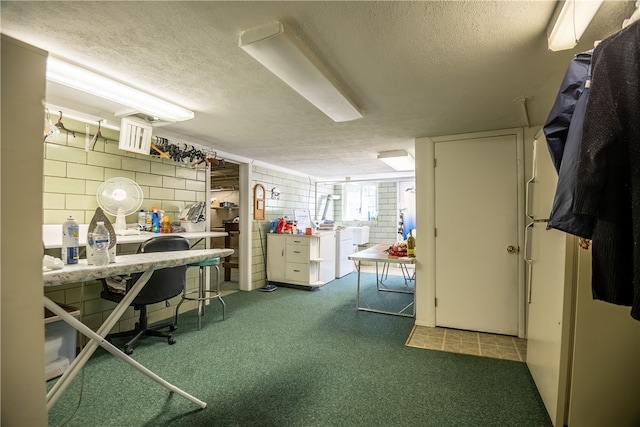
[(298, 358)]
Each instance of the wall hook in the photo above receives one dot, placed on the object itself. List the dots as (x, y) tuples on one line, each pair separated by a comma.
[(60, 126)]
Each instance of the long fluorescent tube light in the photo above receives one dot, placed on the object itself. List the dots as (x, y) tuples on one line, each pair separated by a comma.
[(87, 81), (571, 20), (286, 57), (400, 160)]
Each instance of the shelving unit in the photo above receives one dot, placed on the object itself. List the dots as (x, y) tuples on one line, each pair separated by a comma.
[(301, 260)]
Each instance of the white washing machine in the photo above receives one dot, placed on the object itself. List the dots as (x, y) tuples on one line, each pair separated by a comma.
[(344, 248)]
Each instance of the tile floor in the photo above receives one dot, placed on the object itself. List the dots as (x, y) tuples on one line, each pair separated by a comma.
[(468, 342), (465, 342)]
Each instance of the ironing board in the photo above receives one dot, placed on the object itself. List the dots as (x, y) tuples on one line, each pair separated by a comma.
[(125, 264)]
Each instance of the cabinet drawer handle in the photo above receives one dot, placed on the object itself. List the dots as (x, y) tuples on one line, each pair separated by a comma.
[(296, 252), (297, 241), (296, 271)]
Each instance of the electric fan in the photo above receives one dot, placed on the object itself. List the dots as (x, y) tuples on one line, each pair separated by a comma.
[(120, 197)]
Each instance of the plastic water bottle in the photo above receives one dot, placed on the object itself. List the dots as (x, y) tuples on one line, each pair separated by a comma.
[(100, 239), (142, 220), (70, 241)]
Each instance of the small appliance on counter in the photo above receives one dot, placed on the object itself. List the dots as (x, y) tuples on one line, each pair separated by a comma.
[(193, 219)]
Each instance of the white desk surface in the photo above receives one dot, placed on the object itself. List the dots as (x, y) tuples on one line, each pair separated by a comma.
[(52, 236), (126, 264), (377, 253)]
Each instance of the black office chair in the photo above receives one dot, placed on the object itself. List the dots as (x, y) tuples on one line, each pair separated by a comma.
[(163, 285)]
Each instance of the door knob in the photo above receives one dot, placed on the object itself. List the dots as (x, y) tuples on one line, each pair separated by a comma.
[(511, 249)]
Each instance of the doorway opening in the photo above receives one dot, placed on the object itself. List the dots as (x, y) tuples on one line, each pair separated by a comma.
[(224, 201)]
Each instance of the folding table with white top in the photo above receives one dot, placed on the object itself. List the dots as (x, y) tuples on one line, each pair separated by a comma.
[(377, 254)]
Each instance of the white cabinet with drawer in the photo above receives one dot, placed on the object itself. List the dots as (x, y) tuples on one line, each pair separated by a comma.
[(300, 259)]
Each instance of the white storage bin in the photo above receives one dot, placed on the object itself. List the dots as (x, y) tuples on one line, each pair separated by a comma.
[(194, 227), (52, 347), (60, 342)]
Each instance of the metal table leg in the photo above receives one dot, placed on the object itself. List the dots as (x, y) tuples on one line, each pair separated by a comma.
[(98, 339), (399, 313)]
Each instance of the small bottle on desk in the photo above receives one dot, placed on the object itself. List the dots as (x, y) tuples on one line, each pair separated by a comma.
[(411, 245), (142, 220), (100, 243), (166, 225), (155, 221)]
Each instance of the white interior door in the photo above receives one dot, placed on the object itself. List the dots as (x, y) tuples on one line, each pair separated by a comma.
[(476, 218)]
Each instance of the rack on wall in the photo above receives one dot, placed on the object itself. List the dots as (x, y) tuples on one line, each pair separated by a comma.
[(184, 153)]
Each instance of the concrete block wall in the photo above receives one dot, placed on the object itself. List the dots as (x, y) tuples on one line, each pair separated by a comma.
[(71, 180), (296, 192), (384, 228), (72, 177)]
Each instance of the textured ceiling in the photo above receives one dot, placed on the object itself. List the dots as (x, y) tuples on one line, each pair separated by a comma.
[(414, 68)]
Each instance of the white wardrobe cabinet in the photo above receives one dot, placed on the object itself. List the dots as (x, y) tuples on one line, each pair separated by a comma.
[(583, 354), (301, 259)]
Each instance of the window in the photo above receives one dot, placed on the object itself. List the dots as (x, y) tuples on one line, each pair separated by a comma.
[(360, 201)]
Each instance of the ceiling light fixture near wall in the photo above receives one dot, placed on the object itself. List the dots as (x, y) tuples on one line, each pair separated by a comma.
[(400, 160), (75, 77), (570, 20), (285, 56)]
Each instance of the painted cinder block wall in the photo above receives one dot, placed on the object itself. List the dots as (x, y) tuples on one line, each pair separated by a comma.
[(71, 180), (384, 228), (296, 192)]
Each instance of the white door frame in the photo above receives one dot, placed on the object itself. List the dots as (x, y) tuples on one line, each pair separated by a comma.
[(425, 207), (245, 254)]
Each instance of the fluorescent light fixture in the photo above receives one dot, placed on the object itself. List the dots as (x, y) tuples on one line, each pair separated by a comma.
[(571, 19), (400, 160), (286, 57), (87, 81)]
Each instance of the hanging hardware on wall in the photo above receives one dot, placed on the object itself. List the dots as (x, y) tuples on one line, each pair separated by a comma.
[(183, 153), (60, 126), (209, 159), (87, 142), (157, 152), (523, 102), (275, 193), (97, 136), (49, 127)]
